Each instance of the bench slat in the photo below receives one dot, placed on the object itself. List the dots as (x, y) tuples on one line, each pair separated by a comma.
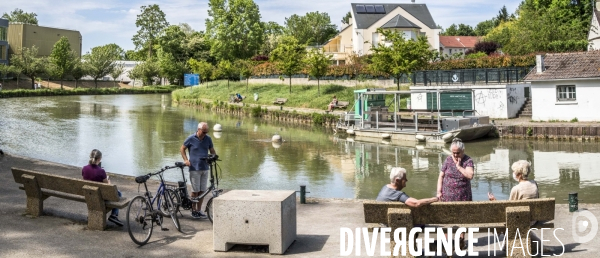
[(461, 212), (66, 184)]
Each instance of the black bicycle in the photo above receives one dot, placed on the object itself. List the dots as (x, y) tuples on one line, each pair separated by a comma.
[(184, 198), (141, 214)]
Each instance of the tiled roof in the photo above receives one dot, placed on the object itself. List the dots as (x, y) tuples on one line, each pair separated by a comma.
[(459, 41), (419, 11), (568, 66), (399, 22)]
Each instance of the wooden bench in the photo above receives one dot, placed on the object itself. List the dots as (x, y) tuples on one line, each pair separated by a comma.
[(280, 101), (99, 197), (499, 215), (341, 104)]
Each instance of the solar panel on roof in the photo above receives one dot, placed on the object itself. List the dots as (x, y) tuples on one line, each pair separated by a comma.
[(360, 9), (370, 8), (379, 9)]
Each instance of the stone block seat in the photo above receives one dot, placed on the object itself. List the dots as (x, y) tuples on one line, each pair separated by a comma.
[(341, 104), (280, 101), (255, 217), (100, 198), (499, 215)]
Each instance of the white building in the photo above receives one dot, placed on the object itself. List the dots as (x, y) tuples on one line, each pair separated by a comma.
[(566, 86), (450, 45), (127, 66), (411, 18)]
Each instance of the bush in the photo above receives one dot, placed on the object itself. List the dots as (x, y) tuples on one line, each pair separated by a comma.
[(486, 47)]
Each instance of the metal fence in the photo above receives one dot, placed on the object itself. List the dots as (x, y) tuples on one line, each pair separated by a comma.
[(470, 76)]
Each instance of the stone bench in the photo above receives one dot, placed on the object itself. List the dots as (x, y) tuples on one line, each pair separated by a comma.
[(255, 217), (99, 197), (341, 104), (500, 215), (280, 101)]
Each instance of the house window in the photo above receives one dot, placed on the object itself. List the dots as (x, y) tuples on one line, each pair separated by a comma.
[(566, 93), (450, 51), (375, 38)]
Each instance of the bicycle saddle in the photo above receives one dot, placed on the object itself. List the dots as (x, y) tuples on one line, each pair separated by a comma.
[(142, 179)]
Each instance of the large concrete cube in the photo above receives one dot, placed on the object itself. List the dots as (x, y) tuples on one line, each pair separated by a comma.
[(255, 217)]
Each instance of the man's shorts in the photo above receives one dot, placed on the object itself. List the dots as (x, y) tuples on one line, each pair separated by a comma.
[(198, 179)]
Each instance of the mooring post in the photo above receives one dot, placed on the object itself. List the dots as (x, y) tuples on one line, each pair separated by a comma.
[(573, 202)]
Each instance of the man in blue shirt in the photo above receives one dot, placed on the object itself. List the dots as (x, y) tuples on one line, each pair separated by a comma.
[(392, 191), (198, 145)]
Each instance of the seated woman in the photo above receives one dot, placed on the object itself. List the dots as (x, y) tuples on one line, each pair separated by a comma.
[(93, 172), (526, 189), (332, 104)]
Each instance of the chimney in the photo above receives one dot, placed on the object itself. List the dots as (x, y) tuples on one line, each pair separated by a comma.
[(539, 63)]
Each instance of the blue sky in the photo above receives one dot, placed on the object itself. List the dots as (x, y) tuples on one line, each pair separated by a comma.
[(113, 21)]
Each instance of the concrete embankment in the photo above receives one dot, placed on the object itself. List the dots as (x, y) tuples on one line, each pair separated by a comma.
[(524, 129), (62, 231)]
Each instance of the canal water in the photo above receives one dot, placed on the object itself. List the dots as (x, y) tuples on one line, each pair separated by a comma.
[(139, 134)]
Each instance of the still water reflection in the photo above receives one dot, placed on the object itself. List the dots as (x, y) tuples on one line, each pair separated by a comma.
[(141, 133)]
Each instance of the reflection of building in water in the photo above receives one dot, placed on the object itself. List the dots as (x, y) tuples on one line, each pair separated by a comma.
[(495, 165), (575, 169)]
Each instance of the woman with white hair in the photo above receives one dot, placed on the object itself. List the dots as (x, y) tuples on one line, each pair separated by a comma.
[(393, 191), (454, 182), (526, 189)]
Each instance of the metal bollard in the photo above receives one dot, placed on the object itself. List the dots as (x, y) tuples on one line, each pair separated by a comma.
[(303, 193), (280, 107), (573, 202)]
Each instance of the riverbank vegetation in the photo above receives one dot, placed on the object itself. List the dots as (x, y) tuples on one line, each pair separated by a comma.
[(85, 91)]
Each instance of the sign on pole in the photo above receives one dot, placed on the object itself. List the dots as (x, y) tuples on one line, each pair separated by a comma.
[(191, 79)]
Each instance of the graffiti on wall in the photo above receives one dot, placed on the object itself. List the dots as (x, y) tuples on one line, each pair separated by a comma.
[(512, 95)]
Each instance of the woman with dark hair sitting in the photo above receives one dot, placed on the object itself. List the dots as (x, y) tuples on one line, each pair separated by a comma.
[(93, 172)]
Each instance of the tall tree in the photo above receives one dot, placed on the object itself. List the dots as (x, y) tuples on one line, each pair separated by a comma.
[(289, 56), (460, 30), (147, 71), (63, 59), (29, 64), (225, 70), (151, 22), (234, 29), (245, 69), (19, 15), (346, 18), (202, 68), (101, 61), (318, 63), (484, 27), (314, 28), (170, 67), (402, 56), (187, 29)]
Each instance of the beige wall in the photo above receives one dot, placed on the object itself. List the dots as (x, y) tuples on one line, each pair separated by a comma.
[(44, 38)]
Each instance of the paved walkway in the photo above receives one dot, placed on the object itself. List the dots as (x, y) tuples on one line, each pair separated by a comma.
[(62, 231)]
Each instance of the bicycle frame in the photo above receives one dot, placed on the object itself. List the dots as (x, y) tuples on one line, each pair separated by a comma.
[(186, 199)]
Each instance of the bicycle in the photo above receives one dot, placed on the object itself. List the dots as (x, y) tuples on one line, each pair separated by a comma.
[(141, 214), (184, 198)]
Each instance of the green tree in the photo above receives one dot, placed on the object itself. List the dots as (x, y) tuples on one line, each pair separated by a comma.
[(244, 67), (151, 22), (80, 69), (5, 70), (314, 28), (460, 30), (346, 18), (402, 56), (187, 29), (234, 29), (198, 47), (101, 61), (289, 56), (484, 27), (20, 16), (116, 72), (62, 59), (202, 68), (225, 70), (171, 67), (28, 62), (173, 41), (147, 71), (317, 62)]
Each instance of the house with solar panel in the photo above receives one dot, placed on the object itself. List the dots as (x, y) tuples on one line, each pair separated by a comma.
[(360, 35)]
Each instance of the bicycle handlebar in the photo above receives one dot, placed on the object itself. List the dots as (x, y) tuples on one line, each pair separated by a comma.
[(211, 158)]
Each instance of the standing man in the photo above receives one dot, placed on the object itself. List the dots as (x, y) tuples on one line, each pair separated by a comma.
[(198, 144)]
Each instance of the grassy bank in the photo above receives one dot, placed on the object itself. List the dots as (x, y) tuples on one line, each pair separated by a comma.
[(86, 91), (302, 96)]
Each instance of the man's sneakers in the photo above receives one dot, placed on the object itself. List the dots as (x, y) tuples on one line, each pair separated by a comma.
[(198, 215), (115, 219)]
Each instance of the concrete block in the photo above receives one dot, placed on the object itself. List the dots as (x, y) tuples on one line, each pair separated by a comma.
[(255, 217), (518, 219)]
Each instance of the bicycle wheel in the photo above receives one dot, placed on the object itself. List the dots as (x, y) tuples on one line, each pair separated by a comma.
[(165, 204), (172, 207), (209, 210), (139, 220)]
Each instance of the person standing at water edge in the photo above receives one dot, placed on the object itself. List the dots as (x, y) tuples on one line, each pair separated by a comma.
[(93, 172), (454, 182), (198, 146)]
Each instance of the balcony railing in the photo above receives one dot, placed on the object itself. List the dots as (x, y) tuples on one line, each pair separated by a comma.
[(471, 76)]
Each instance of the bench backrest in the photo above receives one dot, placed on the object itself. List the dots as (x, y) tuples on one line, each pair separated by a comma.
[(343, 103), (66, 184), (461, 212)]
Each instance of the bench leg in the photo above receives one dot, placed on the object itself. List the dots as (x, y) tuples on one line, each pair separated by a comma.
[(35, 198), (399, 218), (517, 218), (96, 208)]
